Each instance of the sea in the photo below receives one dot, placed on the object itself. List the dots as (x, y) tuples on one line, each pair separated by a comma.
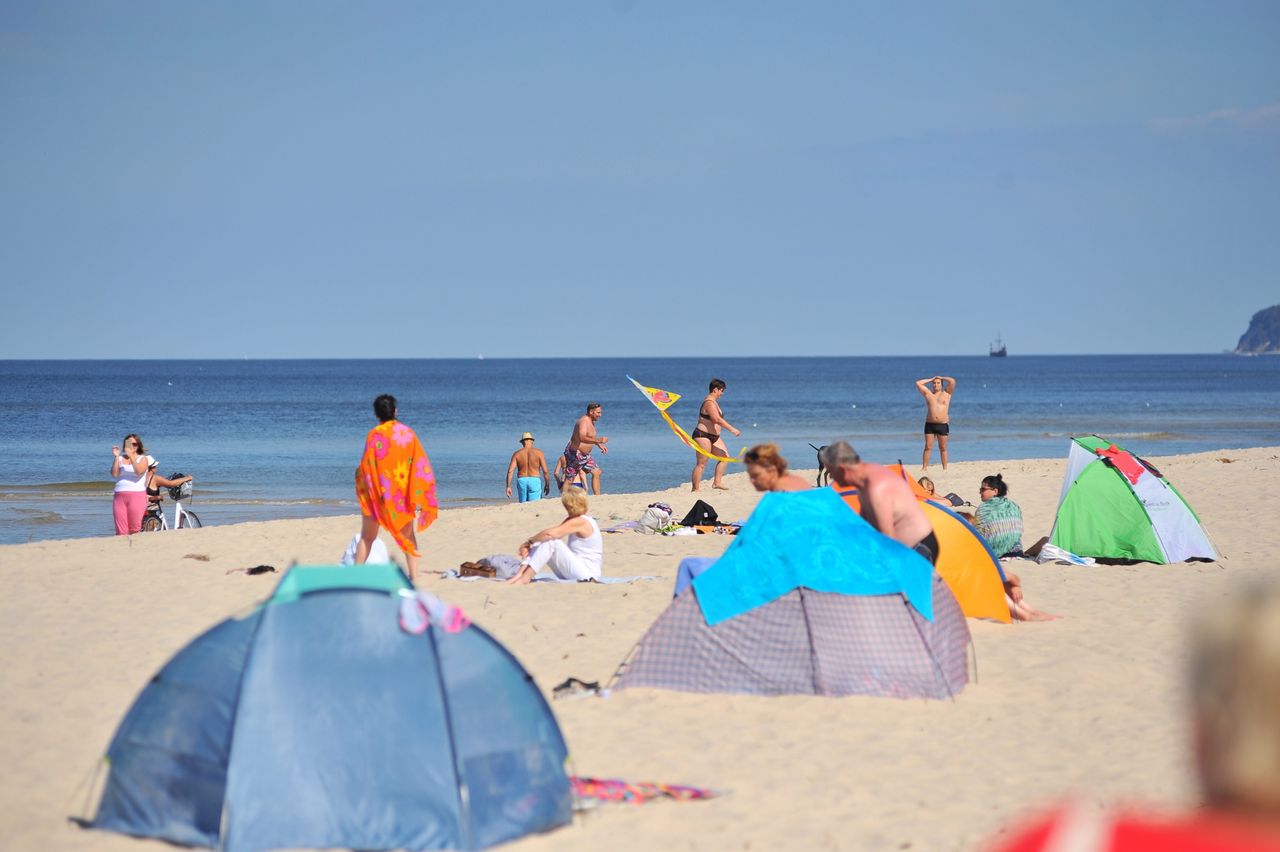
[(270, 439)]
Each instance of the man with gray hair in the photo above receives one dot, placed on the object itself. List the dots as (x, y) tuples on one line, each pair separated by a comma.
[(888, 503)]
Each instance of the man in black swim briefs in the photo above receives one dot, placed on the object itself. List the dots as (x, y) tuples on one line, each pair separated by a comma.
[(928, 548), (937, 393)]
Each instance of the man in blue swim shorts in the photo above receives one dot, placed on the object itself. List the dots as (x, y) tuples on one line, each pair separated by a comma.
[(528, 462)]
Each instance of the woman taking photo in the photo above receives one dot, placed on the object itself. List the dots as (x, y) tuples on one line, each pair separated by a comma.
[(129, 470)]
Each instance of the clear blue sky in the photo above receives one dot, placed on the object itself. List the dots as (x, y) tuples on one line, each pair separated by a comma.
[(416, 179)]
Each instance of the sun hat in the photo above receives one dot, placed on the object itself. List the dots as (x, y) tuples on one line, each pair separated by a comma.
[(527, 436)]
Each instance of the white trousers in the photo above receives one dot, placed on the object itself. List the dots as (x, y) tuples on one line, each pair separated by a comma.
[(557, 556)]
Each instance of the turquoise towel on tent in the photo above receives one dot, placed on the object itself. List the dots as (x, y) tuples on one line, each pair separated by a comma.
[(810, 539)]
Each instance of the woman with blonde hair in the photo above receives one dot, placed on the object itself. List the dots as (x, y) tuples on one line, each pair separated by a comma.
[(573, 549), (767, 470), (927, 484)]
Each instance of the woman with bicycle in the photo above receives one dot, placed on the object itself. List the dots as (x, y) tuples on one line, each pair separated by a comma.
[(129, 470), (155, 482), (179, 487)]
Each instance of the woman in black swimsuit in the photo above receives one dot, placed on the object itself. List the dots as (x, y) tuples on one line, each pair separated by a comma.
[(155, 482), (707, 434)]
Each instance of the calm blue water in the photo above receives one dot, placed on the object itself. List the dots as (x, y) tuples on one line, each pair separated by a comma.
[(280, 439)]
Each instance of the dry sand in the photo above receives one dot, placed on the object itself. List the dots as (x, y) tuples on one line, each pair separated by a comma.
[(1090, 705)]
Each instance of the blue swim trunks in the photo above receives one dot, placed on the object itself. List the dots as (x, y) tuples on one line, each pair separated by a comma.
[(529, 488)]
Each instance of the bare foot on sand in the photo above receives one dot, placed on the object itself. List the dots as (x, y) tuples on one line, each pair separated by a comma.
[(720, 487), (522, 577), (1021, 611)]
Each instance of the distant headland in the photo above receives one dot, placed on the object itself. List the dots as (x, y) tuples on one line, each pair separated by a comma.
[(1263, 334)]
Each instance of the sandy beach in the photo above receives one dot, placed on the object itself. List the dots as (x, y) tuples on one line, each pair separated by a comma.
[(1090, 705)]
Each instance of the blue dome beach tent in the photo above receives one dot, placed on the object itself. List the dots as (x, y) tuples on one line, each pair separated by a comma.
[(345, 711), (808, 599), (1115, 505)]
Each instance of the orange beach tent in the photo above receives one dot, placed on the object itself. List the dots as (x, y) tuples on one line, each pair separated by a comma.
[(965, 562)]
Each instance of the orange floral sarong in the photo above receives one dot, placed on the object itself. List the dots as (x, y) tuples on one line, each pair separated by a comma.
[(394, 481)]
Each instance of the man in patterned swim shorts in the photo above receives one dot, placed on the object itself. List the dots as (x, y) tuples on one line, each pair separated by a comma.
[(577, 453)]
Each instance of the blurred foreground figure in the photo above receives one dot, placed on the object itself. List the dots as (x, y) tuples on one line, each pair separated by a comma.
[(1235, 706)]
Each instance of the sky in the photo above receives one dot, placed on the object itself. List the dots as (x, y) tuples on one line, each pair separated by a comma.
[(558, 179)]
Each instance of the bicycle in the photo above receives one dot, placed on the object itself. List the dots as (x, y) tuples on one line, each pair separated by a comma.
[(183, 518)]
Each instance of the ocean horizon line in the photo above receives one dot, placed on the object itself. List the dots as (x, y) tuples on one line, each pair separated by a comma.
[(522, 358)]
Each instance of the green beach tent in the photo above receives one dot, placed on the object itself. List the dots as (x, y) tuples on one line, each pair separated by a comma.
[(1115, 505)]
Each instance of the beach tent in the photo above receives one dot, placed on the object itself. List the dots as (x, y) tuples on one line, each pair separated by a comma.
[(346, 711), (965, 562), (808, 599), (1115, 505)]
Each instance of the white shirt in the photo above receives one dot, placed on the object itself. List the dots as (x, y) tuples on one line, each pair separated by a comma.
[(127, 480), (590, 549)]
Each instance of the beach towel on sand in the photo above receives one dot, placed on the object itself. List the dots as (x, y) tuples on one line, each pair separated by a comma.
[(636, 793), (394, 481)]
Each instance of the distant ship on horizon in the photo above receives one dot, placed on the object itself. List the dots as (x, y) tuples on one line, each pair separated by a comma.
[(998, 349)]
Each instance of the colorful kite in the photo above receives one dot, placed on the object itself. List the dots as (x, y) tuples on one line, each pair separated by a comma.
[(662, 400)]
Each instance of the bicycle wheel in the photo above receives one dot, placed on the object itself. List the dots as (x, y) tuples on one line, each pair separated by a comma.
[(151, 523), (189, 520)]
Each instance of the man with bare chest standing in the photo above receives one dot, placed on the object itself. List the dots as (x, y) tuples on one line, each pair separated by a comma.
[(530, 466), (577, 454), (937, 393)]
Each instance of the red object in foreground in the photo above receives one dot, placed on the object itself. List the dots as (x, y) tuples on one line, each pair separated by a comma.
[(1080, 829)]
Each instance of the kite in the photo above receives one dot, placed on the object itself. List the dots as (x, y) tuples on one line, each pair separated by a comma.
[(662, 400)]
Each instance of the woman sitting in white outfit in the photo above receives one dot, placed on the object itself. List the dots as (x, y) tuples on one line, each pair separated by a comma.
[(580, 559)]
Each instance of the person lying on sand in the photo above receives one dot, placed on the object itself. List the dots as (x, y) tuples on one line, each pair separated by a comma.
[(581, 558)]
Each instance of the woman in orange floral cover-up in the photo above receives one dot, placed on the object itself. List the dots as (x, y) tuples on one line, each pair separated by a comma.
[(394, 483)]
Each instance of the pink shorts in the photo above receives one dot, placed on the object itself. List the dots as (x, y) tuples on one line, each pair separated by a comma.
[(128, 509)]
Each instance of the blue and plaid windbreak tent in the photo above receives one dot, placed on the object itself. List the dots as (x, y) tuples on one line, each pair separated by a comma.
[(346, 711), (808, 599)]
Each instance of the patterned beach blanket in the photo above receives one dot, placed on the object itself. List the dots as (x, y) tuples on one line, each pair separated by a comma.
[(615, 790)]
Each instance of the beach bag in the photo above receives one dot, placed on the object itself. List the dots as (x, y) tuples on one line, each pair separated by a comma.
[(955, 499), (180, 492), (476, 569), (700, 515), (655, 517)]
